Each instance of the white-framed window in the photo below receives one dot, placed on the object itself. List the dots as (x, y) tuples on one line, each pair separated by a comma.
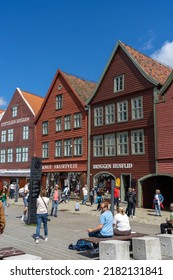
[(109, 140), (77, 120), (137, 142), (98, 116), (10, 135), (67, 122), (3, 136), (137, 108), (45, 128), (110, 114), (10, 155), (24, 154), (2, 156), (119, 83), (122, 111), (45, 150), (122, 144), (59, 102), (18, 154), (14, 111), (58, 148), (59, 124), (68, 147), (98, 145), (25, 132), (78, 147)]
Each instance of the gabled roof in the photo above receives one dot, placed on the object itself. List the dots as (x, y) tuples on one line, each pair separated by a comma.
[(33, 101), (81, 88), (152, 70), (167, 84)]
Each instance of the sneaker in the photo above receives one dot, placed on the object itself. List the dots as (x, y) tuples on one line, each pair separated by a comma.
[(22, 217), (46, 238), (37, 240)]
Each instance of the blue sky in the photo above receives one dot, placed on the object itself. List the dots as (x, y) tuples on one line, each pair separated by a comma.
[(38, 37)]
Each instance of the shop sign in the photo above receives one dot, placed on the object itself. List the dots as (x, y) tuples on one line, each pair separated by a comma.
[(21, 120), (60, 166), (112, 165)]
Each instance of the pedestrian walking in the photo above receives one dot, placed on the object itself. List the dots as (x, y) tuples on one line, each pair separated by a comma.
[(25, 201), (54, 196), (116, 196), (42, 215), (85, 194)]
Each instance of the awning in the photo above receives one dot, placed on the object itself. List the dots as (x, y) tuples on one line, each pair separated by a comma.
[(15, 173)]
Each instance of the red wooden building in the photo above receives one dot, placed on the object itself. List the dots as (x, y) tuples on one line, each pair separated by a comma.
[(61, 127), (123, 125), (17, 132)]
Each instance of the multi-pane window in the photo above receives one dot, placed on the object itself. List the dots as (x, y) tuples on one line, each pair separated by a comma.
[(2, 156), (67, 147), (45, 150), (59, 124), (3, 136), (10, 135), (119, 83), (58, 148), (110, 114), (137, 141), (109, 140), (78, 147), (122, 111), (77, 120), (18, 154), (67, 122), (137, 108), (122, 144), (98, 146), (98, 116), (25, 132), (24, 154), (59, 102), (10, 155), (14, 111), (45, 128)]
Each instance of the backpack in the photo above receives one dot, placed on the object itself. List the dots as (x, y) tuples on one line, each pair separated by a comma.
[(130, 199), (81, 245)]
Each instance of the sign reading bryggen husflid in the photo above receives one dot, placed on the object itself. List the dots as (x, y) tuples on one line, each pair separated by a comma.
[(34, 188)]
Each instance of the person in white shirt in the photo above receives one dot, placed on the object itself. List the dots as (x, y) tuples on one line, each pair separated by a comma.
[(42, 215), (121, 223), (85, 194)]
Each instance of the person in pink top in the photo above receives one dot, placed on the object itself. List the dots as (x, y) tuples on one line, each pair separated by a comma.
[(54, 197)]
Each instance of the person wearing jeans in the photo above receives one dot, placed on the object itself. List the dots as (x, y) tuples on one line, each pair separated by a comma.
[(54, 197), (42, 215)]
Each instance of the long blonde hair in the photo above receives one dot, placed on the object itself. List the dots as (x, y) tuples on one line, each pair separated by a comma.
[(121, 210)]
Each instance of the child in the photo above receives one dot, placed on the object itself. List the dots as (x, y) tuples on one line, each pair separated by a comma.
[(77, 205)]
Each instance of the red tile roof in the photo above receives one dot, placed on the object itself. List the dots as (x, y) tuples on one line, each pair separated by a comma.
[(83, 88), (33, 100), (157, 71)]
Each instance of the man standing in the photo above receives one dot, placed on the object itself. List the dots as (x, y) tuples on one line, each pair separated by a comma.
[(25, 201), (169, 222), (2, 218), (85, 194), (116, 196), (105, 227)]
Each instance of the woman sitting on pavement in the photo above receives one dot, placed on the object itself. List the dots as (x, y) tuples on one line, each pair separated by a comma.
[(121, 223)]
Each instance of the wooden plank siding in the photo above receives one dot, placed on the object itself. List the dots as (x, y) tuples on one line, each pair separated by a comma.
[(164, 118)]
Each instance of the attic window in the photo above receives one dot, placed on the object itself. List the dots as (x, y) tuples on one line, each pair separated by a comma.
[(119, 83), (59, 87)]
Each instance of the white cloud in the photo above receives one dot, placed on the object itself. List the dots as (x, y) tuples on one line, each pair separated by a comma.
[(2, 102), (165, 54)]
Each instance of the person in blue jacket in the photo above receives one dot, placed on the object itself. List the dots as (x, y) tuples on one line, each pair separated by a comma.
[(158, 200)]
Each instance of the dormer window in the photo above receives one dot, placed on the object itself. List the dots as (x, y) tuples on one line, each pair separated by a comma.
[(119, 83)]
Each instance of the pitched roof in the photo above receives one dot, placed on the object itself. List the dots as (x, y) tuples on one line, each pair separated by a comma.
[(167, 84), (83, 88), (33, 101), (154, 69)]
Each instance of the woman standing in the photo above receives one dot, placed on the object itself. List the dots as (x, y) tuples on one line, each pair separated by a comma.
[(42, 215), (158, 199), (3, 196)]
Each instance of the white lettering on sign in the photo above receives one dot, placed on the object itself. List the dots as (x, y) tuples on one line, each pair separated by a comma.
[(15, 121), (114, 165), (60, 166)]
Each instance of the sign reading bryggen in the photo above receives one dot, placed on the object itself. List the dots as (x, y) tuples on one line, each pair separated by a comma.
[(112, 165), (21, 120)]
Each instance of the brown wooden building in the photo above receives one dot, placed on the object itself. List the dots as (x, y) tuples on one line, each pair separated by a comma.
[(123, 125), (62, 131), (17, 132)]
